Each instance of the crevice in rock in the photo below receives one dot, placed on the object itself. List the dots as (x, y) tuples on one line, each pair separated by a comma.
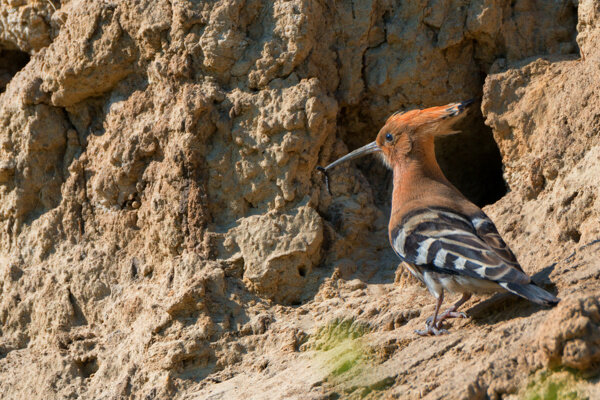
[(78, 316), (4, 352), (11, 62), (134, 268)]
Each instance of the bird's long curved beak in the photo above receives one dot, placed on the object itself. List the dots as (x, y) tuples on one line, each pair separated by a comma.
[(366, 149), (361, 151)]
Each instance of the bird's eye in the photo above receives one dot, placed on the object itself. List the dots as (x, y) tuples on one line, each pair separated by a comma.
[(389, 137)]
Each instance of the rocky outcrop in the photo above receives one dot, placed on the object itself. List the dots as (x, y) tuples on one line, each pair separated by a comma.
[(164, 233), (570, 336)]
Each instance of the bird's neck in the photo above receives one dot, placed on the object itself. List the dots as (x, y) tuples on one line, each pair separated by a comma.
[(417, 176)]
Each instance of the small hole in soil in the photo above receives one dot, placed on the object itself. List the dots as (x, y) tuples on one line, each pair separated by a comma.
[(11, 62), (134, 267), (573, 234), (302, 271), (88, 366)]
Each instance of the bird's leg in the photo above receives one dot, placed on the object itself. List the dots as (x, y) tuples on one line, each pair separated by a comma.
[(451, 312), (432, 326)]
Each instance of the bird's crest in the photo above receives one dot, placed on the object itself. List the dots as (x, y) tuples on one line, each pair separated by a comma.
[(416, 118)]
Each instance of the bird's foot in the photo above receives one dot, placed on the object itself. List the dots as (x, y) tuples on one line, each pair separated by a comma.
[(455, 314), (446, 314), (431, 330)]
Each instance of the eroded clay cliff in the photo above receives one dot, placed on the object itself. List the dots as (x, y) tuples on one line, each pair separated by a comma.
[(164, 233)]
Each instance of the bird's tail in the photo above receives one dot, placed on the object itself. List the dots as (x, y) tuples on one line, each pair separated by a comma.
[(531, 292)]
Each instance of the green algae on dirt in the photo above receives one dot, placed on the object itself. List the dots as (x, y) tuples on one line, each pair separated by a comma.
[(342, 350), (554, 385), (339, 348)]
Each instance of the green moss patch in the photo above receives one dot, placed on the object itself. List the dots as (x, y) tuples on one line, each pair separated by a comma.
[(339, 348), (554, 385)]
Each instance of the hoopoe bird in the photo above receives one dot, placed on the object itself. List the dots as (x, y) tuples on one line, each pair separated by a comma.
[(446, 242)]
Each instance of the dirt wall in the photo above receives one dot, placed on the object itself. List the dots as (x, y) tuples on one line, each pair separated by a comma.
[(164, 233)]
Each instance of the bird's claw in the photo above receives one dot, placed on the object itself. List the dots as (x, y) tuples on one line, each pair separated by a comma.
[(457, 314), (431, 331), (447, 314), (434, 328)]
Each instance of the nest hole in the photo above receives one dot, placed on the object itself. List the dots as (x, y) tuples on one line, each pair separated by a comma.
[(472, 162), (11, 62)]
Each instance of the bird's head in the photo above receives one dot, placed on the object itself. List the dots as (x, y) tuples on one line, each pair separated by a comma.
[(410, 134)]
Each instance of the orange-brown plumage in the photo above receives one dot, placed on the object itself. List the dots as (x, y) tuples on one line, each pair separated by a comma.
[(446, 241), (418, 179)]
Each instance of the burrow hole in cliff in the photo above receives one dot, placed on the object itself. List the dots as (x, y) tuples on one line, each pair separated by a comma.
[(470, 159), (88, 366), (11, 62)]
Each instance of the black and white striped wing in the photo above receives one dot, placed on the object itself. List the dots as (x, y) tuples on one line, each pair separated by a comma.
[(486, 230), (445, 241)]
